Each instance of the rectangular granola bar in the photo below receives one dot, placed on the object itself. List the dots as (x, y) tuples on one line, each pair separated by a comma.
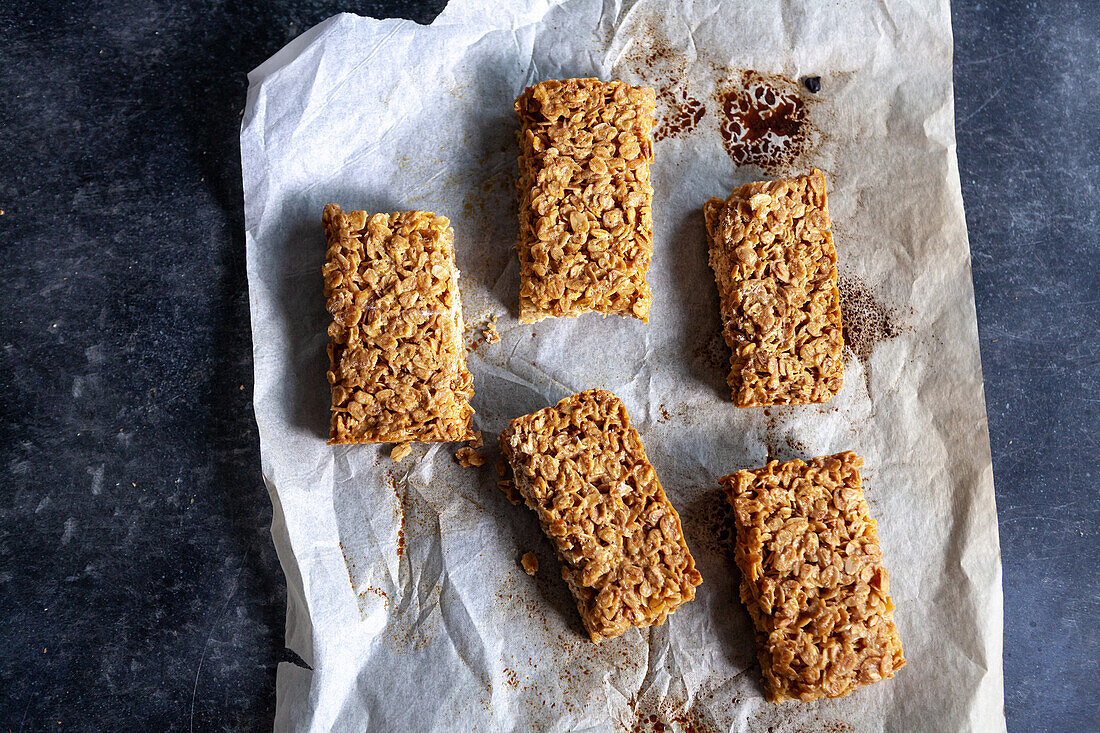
[(581, 467), (585, 223), (397, 364), (812, 578), (775, 264)]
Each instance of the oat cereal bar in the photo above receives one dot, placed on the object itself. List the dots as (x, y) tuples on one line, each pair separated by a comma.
[(581, 467), (812, 578), (775, 264), (397, 364), (585, 224)]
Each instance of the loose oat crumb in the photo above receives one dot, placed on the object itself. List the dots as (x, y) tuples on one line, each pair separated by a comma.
[(400, 451), (530, 563), (501, 467), (510, 492), (490, 335), (467, 457), (476, 441)]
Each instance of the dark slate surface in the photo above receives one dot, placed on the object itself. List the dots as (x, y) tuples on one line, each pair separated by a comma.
[(1027, 105), (138, 584)]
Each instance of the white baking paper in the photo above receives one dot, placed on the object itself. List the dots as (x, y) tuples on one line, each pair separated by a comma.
[(405, 594)]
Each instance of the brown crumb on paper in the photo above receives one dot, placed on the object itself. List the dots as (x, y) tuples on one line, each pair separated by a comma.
[(401, 450), (467, 457), (530, 563), (510, 492), (378, 592), (488, 334)]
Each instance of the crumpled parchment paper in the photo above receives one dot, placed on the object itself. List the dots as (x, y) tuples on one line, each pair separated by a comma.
[(405, 594)]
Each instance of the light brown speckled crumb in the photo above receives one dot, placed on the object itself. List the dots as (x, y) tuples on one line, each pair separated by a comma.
[(530, 563)]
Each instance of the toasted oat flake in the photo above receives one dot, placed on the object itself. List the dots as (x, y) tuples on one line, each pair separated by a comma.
[(397, 365), (774, 261), (581, 467), (467, 457), (530, 563), (586, 228), (400, 451), (508, 488), (812, 578)]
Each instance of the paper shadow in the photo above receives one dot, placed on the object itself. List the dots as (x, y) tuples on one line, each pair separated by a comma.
[(548, 583), (486, 226), (709, 530), (706, 352)]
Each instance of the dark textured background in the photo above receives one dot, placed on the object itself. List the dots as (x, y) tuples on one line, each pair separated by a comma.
[(139, 588)]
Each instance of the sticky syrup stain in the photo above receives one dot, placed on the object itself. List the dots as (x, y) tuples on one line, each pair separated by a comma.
[(664, 67), (763, 119), (664, 716), (713, 355), (771, 440), (680, 114), (709, 524)]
